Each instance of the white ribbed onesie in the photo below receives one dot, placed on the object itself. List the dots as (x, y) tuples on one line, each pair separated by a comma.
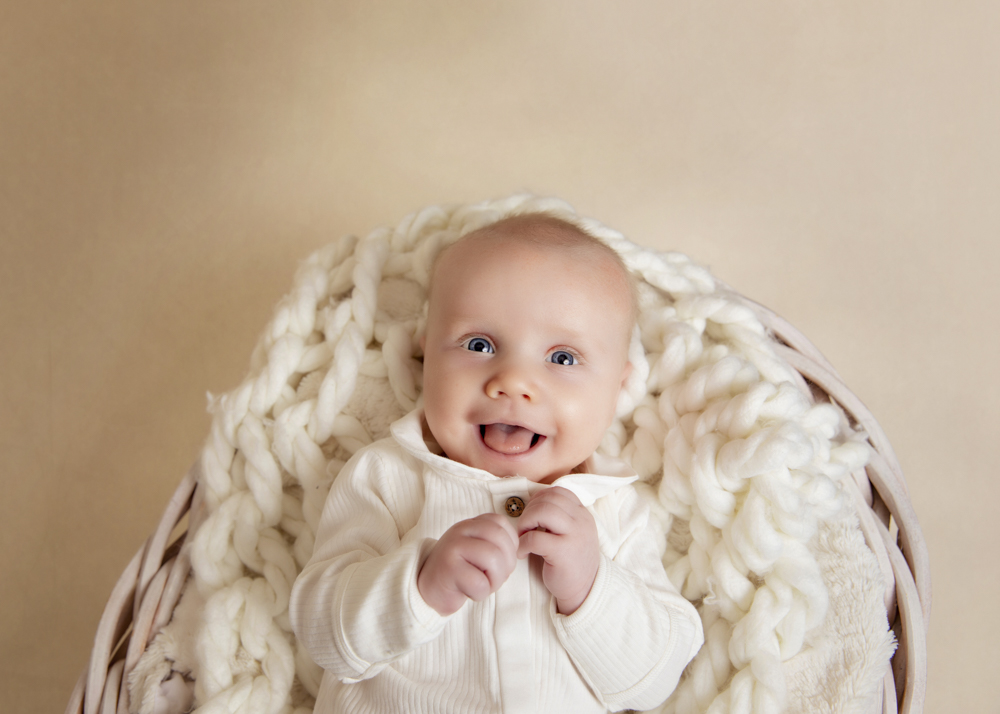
[(357, 610)]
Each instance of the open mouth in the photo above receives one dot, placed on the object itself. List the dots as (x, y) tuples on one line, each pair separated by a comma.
[(508, 439)]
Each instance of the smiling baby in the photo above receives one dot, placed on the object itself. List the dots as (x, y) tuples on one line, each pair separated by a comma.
[(484, 558)]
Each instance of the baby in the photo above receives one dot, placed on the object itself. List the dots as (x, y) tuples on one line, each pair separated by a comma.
[(484, 558)]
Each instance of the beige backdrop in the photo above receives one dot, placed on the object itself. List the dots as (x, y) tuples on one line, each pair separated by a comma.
[(164, 166)]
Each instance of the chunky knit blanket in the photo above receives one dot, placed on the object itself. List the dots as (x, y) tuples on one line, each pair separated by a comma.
[(744, 470)]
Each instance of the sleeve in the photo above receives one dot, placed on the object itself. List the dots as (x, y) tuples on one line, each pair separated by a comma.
[(634, 634), (355, 605)]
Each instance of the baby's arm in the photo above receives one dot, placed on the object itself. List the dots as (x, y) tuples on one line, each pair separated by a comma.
[(355, 605), (634, 633), (471, 560)]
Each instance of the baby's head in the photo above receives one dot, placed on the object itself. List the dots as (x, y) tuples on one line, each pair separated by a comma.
[(526, 346)]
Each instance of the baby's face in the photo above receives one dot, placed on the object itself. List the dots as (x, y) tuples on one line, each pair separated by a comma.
[(524, 355)]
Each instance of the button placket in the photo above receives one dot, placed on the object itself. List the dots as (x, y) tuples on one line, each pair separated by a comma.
[(513, 612), (510, 496)]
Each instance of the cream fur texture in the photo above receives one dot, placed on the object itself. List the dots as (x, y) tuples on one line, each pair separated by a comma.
[(743, 469)]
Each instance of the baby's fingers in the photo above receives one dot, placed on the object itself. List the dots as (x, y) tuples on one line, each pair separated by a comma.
[(494, 528), (554, 509), (542, 543), (471, 560), (492, 561)]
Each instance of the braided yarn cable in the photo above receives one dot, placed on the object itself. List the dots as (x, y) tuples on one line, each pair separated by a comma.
[(739, 464)]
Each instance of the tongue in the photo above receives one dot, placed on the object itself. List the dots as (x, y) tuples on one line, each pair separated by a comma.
[(507, 439)]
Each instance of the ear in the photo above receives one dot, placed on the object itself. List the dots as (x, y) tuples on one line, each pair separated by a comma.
[(423, 342), (625, 374)]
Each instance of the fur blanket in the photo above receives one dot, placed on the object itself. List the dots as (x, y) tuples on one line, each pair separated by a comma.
[(744, 470)]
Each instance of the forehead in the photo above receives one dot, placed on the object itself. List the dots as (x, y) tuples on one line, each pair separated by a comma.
[(576, 283), (533, 238)]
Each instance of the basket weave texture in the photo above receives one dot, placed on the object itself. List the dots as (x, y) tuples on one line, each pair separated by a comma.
[(145, 597)]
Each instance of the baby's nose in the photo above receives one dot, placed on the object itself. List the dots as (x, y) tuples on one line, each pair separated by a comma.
[(513, 382)]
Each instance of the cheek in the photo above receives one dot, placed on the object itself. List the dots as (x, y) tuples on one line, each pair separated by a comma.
[(584, 412), (591, 407), (444, 388), (435, 393)]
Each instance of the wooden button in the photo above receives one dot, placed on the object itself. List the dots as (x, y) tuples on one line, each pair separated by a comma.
[(514, 506)]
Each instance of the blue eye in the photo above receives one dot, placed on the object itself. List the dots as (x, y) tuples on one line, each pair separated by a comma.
[(479, 344), (562, 357)]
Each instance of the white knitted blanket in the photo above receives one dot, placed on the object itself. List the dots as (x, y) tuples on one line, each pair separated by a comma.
[(742, 468)]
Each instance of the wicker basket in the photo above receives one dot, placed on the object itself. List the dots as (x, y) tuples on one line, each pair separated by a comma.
[(144, 598)]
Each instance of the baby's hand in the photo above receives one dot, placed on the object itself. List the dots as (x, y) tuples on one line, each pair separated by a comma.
[(473, 558), (556, 526)]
